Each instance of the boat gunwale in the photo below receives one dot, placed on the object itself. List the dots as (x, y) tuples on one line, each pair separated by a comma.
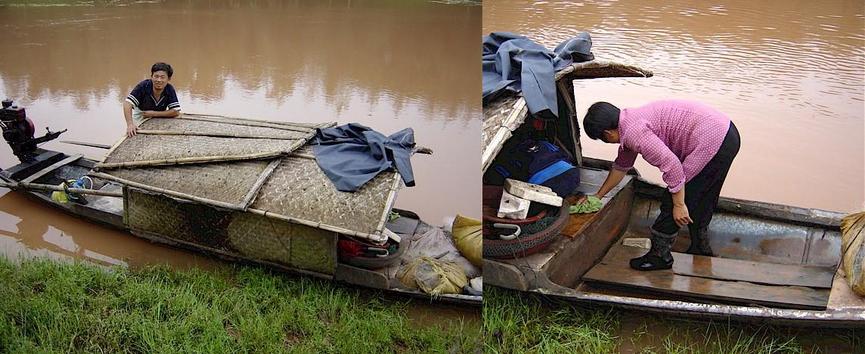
[(834, 317), (763, 210)]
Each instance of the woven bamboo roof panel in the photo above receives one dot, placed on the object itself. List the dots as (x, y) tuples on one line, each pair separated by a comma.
[(226, 182), (158, 147), (501, 117), (298, 188), (234, 168), (192, 126)]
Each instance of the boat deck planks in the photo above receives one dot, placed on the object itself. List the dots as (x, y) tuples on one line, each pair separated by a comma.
[(51, 168), (613, 270), (577, 223), (753, 272)]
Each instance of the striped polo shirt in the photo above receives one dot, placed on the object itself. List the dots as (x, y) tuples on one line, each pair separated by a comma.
[(142, 98)]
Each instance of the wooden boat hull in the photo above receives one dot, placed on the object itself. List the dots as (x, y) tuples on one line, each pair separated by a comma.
[(742, 231), (109, 211)]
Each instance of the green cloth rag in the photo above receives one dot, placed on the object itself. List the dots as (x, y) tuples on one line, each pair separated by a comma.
[(590, 205), (392, 216)]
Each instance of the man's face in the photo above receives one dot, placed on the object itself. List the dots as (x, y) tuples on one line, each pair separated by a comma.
[(160, 79)]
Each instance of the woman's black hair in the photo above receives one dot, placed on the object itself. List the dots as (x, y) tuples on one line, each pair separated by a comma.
[(160, 66), (600, 116)]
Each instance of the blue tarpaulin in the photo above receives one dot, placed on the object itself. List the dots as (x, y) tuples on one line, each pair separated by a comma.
[(352, 154), (516, 63)]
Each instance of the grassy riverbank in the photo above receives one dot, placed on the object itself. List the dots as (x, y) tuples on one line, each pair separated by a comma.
[(517, 322), (51, 306)]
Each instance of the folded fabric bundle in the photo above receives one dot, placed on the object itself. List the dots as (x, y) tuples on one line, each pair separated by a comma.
[(511, 62), (352, 154)]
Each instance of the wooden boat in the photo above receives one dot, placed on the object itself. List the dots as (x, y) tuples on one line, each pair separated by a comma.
[(239, 189), (776, 263)]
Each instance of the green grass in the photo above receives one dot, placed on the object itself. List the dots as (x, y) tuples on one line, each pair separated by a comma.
[(516, 322), (48, 306)]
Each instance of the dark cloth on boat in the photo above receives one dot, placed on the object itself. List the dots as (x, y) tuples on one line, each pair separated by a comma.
[(351, 155), (537, 162), (512, 62), (702, 191)]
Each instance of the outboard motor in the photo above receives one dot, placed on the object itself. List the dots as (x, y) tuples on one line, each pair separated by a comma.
[(18, 131)]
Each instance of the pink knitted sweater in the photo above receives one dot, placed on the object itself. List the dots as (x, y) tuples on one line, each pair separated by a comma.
[(677, 136)]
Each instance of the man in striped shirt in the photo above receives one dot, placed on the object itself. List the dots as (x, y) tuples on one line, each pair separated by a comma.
[(692, 144), (153, 97)]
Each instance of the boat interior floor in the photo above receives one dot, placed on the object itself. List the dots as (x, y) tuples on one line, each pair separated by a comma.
[(719, 279), (751, 270)]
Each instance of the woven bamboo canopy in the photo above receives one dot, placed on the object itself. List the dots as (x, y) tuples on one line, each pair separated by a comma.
[(508, 112), (261, 167)]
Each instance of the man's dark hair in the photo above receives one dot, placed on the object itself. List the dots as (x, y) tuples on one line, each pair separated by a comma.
[(160, 66), (600, 116)]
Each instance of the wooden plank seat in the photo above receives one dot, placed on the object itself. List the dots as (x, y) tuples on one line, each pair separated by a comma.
[(754, 272), (613, 271)]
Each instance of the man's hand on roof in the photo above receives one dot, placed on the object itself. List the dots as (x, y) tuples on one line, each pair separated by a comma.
[(131, 129)]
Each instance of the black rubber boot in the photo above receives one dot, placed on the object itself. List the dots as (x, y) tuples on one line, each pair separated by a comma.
[(659, 256), (700, 242)]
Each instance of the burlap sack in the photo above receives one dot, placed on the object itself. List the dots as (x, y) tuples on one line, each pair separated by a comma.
[(853, 251)]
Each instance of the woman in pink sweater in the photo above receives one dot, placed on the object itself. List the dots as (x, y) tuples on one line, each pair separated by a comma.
[(691, 143)]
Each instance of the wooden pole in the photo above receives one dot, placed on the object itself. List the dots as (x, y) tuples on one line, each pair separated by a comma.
[(214, 134), (253, 192), (48, 187), (84, 143), (251, 123), (388, 203), (302, 155), (186, 160)]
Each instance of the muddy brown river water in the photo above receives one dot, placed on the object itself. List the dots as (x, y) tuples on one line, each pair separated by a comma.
[(790, 74)]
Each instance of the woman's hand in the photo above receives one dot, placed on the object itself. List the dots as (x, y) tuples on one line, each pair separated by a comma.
[(149, 114), (680, 215)]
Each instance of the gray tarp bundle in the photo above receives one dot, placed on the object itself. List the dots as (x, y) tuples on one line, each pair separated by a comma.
[(350, 155), (516, 63)]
